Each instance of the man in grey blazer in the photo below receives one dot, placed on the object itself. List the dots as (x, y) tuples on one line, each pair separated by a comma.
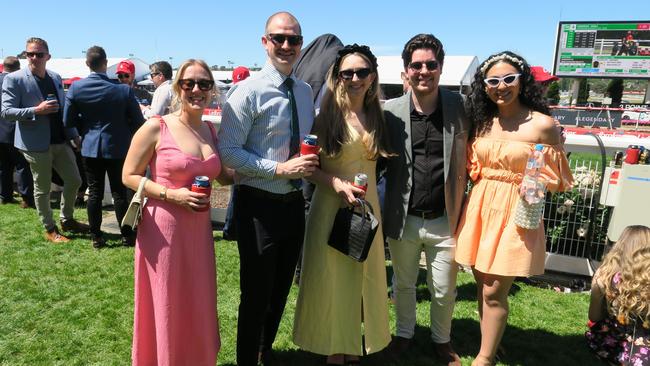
[(425, 186), (32, 97)]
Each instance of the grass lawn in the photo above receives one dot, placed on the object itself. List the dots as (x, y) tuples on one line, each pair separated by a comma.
[(72, 305)]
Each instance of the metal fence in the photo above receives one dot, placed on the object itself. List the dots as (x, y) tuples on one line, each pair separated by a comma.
[(575, 222)]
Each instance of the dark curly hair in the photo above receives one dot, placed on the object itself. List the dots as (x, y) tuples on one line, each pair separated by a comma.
[(354, 48), (481, 109), (423, 41)]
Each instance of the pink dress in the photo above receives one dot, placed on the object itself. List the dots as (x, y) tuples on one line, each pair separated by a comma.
[(175, 320)]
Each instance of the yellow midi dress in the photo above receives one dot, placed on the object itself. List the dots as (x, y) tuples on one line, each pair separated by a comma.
[(341, 299), (488, 238)]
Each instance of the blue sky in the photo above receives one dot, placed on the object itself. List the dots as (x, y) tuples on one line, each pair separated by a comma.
[(219, 31)]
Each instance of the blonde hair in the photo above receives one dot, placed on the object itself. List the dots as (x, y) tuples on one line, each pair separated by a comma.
[(630, 256), (177, 103), (330, 125)]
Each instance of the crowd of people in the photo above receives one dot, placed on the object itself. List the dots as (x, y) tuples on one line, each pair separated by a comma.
[(424, 147)]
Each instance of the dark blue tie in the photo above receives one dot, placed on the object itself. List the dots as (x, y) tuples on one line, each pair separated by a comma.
[(294, 143)]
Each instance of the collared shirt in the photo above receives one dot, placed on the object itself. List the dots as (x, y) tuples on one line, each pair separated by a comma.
[(162, 100), (427, 195), (256, 128)]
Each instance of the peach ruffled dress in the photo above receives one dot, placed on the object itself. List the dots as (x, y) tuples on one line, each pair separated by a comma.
[(488, 238)]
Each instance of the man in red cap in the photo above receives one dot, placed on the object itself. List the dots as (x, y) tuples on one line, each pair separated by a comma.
[(126, 75), (543, 77), (240, 73)]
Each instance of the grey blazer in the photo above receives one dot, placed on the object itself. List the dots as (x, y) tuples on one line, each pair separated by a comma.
[(399, 169), (20, 96)]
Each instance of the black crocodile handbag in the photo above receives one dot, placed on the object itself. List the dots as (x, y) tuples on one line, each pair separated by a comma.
[(354, 230)]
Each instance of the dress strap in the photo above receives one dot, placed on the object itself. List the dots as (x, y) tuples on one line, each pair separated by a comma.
[(213, 132)]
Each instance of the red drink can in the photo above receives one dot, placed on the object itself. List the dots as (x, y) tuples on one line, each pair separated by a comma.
[(309, 145), (202, 185), (632, 154), (361, 181)]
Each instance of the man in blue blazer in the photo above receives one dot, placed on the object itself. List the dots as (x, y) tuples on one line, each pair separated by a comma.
[(32, 97), (106, 114), (10, 157)]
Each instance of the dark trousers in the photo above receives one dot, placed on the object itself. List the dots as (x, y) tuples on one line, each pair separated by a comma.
[(11, 158), (96, 171), (270, 235)]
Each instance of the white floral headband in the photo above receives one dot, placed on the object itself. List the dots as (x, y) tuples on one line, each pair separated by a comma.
[(501, 57)]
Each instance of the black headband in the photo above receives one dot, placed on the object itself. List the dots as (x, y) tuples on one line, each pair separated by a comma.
[(354, 48)]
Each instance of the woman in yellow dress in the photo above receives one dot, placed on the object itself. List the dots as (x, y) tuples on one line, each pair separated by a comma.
[(510, 117), (341, 300)]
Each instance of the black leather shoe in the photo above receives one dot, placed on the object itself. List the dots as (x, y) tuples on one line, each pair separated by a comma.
[(74, 226), (128, 241), (398, 345), (98, 242)]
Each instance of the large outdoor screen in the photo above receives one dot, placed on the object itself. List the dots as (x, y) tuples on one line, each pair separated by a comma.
[(603, 49)]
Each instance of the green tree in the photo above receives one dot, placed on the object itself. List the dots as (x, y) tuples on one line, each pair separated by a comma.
[(615, 91), (553, 93), (583, 91)]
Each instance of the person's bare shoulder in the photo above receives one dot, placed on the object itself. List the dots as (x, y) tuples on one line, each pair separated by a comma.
[(546, 129)]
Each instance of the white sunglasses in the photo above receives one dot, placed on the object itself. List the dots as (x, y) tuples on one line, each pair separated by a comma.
[(509, 80)]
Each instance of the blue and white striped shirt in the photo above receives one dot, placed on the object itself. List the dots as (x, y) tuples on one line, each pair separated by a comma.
[(255, 127)]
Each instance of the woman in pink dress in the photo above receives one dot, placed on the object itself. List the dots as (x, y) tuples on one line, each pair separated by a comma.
[(175, 319)]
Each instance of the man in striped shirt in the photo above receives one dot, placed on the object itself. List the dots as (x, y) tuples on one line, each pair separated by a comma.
[(262, 123)]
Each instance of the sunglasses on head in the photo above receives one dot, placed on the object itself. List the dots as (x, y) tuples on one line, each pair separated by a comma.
[(188, 84), (278, 39), (509, 80), (37, 54), (123, 76), (349, 73), (417, 65)]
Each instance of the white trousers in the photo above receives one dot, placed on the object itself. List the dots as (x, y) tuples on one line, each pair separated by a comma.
[(434, 238)]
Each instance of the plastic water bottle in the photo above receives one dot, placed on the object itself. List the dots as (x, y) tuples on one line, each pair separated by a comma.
[(531, 185)]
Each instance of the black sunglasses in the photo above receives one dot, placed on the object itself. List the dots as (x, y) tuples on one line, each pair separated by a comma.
[(349, 73), (278, 39), (188, 84), (123, 76), (154, 74), (37, 54), (417, 65)]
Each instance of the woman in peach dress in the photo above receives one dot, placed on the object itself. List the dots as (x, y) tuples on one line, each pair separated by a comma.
[(510, 117)]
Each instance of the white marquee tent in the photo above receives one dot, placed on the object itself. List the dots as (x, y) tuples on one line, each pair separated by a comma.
[(457, 70)]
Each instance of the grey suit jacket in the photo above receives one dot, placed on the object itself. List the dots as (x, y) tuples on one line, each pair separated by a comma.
[(399, 169), (20, 96)]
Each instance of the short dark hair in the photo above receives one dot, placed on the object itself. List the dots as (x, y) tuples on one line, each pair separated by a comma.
[(423, 41), (162, 67), (95, 57), (11, 64), (40, 41)]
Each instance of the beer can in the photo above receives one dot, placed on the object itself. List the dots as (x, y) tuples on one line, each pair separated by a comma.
[(202, 181), (361, 181), (311, 140), (632, 154), (202, 185), (50, 97), (618, 159), (309, 145)]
